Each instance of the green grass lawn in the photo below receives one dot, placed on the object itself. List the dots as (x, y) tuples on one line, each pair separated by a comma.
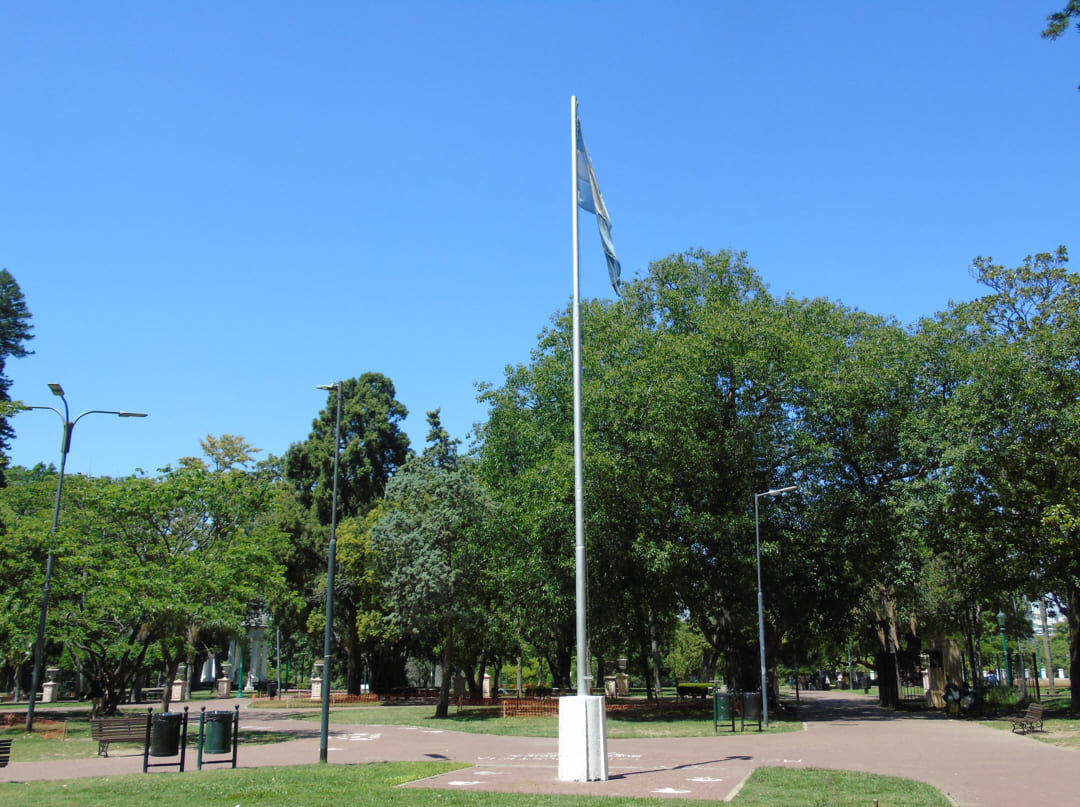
[(376, 784), (628, 724), (1059, 727)]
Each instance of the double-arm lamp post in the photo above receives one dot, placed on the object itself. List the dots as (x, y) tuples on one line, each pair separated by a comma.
[(324, 733), (760, 608), (65, 447)]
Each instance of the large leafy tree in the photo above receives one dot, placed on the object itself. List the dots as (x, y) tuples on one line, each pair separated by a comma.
[(143, 563), (1014, 463), (26, 508), (15, 332), (433, 547), (372, 448), (690, 402)]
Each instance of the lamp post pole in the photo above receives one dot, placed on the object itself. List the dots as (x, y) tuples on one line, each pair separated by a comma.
[(324, 734), (760, 606), (65, 447), (1005, 648)]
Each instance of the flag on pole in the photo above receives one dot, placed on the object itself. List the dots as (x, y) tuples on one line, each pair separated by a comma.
[(589, 199)]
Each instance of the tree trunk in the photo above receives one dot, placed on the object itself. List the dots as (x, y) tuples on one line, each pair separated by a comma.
[(443, 709), (354, 651), (1074, 642), (654, 654), (885, 667), (560, 670)]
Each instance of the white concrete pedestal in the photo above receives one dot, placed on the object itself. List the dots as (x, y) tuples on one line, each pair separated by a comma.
[(179, 690), (582, 739), (48, 692), (316, 689)]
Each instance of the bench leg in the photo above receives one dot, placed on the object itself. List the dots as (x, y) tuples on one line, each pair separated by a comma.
[(103, 748)]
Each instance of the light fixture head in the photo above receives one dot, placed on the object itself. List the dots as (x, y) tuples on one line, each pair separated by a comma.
[(329, 387), (132, 414), (57, 390)]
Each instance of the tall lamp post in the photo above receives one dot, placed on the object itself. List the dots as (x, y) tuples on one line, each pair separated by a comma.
[(1005, 648), (760, 607), (324, 735), (65, 447)]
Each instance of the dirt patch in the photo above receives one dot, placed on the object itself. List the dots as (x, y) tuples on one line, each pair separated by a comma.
[(51, 729)]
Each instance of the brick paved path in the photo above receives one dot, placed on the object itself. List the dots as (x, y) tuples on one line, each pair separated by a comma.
[(972, 764)]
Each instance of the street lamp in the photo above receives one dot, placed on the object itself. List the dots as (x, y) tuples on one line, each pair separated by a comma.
[(1005, 648), (324, 735), (65, 447), (760, 607)]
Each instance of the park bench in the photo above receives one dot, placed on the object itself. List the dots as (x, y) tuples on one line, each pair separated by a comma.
[(1029, 719), (5, 752), (119, 730)]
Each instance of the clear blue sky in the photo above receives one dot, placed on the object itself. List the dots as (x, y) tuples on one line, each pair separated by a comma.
[(212, 207)]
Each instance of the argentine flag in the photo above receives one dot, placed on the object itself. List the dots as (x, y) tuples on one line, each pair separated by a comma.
[(589, 198)]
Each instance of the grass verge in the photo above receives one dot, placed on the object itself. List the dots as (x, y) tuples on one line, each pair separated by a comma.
[(376, 784), (630, 724)]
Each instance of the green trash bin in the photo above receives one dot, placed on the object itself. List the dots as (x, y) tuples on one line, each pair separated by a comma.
[(722, 709), (217, 738), (165, 734), (722, 705)]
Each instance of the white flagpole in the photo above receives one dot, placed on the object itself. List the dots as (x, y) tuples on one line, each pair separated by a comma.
[(579, 465), (582, 721)]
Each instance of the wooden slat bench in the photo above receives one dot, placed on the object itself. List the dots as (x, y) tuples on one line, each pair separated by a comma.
[(5, 752), (1028, 721), (119, 730)]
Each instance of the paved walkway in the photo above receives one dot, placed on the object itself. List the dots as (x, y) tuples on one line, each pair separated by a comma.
[(972, 764)]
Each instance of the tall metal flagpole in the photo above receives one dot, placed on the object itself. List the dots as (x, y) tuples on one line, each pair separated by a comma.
[(582, 724), (579, 464)]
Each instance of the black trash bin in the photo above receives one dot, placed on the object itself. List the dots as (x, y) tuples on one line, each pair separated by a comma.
[(218, 733), (271, 688), (751, 708), (165, 734)]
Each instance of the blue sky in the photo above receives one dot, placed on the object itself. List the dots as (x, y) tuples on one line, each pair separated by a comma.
[(212, 207)]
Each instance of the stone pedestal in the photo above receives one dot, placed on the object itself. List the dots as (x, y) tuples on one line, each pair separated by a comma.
[(622, 685), (180, 685), (609, 686), (224, 683), (317, 681), (582, 739), (49, 688), (486, 691)]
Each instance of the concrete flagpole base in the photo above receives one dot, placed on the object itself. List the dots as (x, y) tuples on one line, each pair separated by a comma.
[(582, 739)]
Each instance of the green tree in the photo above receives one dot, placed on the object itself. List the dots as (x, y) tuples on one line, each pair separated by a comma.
[(1058, 22), (1015, 443), (144, 563), (26, 508), (15, 332), (431, 542), (373, 447)]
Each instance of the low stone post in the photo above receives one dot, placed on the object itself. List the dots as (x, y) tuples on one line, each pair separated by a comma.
[(50, 687), (180, 685), (224, 683)]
